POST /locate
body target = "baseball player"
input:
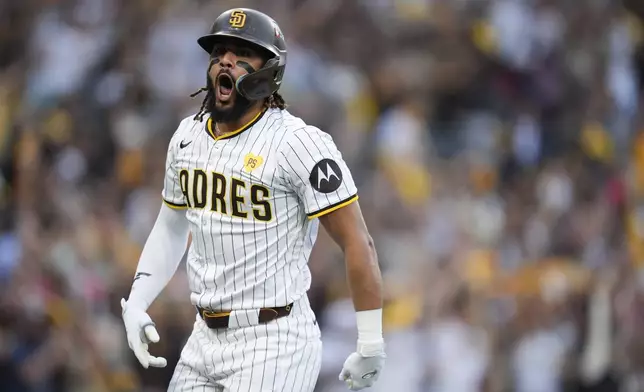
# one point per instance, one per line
(250, 182)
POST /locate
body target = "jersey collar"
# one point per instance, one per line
(211, 132)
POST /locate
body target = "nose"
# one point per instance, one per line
(228, 60)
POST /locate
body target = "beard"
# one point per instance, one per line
(231, 113)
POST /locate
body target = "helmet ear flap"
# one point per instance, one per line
(260, 84)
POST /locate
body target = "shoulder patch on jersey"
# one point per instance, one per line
(326, 176)
(252, 161)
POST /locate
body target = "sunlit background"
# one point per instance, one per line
(498, 147)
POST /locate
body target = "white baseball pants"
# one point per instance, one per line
(283, 355)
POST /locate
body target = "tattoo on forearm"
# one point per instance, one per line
(140, 274)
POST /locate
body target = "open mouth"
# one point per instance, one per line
(225, 86)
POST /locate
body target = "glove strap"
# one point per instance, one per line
(371, 349)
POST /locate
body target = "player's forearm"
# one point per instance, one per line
(363, 273)
(161, 256)
(365, 284)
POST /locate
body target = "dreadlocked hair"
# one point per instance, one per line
(202, 111)
(275, 101)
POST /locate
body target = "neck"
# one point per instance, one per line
(223, 128)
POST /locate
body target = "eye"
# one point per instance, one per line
(218, 50)
(244, 52)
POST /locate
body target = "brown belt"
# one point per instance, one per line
(220, 320)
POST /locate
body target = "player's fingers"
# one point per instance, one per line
(158, 362)
(122, 303)
(344, 374)
(357, 386)
(151, 333)
(141, 353)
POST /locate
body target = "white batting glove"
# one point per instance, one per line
(362, 368)
(140, 332)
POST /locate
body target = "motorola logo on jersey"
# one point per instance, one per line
(326, 176)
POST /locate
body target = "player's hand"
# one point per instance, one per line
(362, 369)
(140, 332)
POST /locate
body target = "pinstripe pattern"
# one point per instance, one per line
(171, 193)
(237, 263)
(192, 373)
(305, 148)
(284, 355)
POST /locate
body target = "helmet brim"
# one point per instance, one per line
(208, 42)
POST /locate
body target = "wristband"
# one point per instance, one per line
(370, 340)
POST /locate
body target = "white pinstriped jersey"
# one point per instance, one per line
(251, 198)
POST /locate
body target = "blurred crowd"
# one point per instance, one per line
(498, 147)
